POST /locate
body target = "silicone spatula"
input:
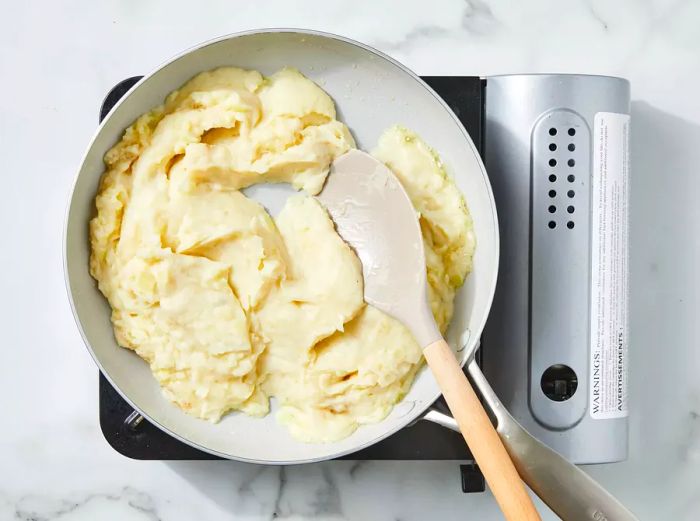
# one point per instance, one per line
(373, 213)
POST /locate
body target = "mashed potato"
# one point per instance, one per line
(447, 228)
(230, 307)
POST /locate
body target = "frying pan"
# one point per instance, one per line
(372, 92)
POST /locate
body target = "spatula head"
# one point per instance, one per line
(374, 215)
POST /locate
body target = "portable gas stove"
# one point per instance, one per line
(556, 148)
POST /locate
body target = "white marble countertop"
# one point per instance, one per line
(58, 60)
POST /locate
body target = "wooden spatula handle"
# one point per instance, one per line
(479, 433)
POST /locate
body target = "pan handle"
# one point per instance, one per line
(571, 493)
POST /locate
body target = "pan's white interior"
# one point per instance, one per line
(371, 93)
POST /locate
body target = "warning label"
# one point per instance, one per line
(609, 264)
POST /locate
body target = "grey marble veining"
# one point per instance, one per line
(58, 60)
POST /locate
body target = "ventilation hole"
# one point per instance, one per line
(552, 209)
(552, 131)
(572, 131)
(552, 178)
(552, 147)
(552, 225)
(571, 193)
(552, 162)
(570, 225)
(571, 147)
(570, 209)
(552, 193)
(571, 178)
(571, 162)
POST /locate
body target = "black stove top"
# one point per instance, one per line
(129, 434)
